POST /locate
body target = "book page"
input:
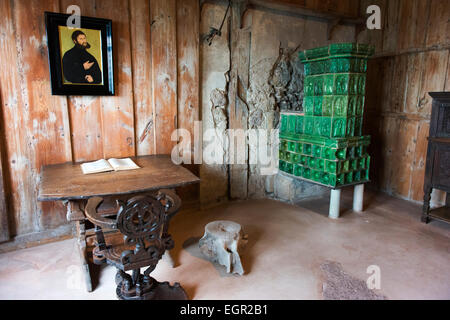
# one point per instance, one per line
(123, 164)
(96, 166)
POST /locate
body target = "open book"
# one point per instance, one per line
(112, 164)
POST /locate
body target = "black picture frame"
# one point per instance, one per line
(59, 84)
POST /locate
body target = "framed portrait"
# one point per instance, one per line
(80, 59)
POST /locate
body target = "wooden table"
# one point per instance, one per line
(66, 182)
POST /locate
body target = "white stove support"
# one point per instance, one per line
(358, 197)
(335, 203)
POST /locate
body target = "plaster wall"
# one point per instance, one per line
(275, 79)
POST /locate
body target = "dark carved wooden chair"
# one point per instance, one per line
(144, 221)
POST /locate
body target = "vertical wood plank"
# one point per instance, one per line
(447, 77)
(85, 111)
(329, 5)
(420, 155)
(403, 157)
(389, 136)
(164, 72)
(142, 80)
(388, 74)
(398, 84)
(432, 78)
(413, 19)
(4, 227)
(312, 4)
(15, 133)
(372, 115)
(438, 32)
(117, 111)
(390, 28)
(47, 134)
(188, 29)
(188, 67)
(415, 69)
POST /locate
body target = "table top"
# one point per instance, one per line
(67, 182)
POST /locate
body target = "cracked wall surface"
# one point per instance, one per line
(214, 65)
(275, 83)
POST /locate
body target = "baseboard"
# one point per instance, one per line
(29, 240)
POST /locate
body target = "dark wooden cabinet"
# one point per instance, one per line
(437, 172)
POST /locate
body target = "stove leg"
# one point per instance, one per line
(335, 202)
(358, 197)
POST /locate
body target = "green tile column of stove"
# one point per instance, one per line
(324, 144)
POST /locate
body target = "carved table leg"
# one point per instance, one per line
(426, 204)
(81, 235)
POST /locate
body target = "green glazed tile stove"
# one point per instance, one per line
(324, 144)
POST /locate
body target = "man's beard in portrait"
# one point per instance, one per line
(81, 46)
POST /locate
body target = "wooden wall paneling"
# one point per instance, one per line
(117, 111)
(438, 31)
(345, 7)
(388, 74)
(354, 8)
(413, 23)
(372, 113)
(447, 77)
(420, 155)
(432, 78)
(403, 156)
(46, 122)
(390, 26)
(188, 50)
(413, 76)
(188, 64)
(142, 80)
(398, 84)
(164, 72)
(85, 111)
(389, 137)
(374, 86)
(329, 5)
(14, 124)
(311, 4)
(4, 227)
